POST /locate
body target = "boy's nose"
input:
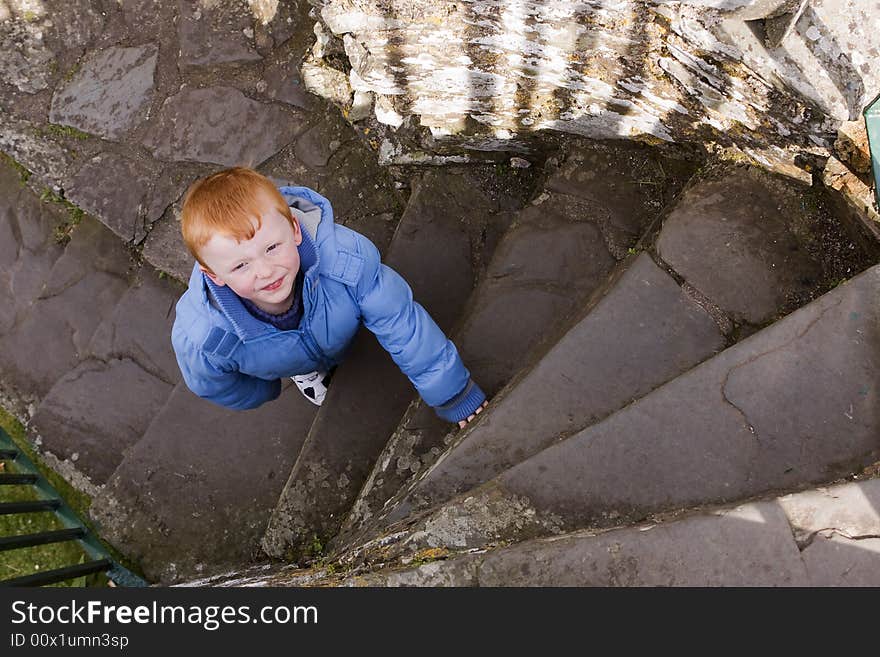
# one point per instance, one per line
(263, 269)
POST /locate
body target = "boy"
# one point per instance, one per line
(279, 290)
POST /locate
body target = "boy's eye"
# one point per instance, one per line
(272, 247)
(240, 265)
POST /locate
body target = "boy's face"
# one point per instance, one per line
(262, 269)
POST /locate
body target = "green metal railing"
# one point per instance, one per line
(872, 123)
(49, 501)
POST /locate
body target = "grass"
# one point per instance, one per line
(26, 561)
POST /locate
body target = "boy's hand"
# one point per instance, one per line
(463, 423)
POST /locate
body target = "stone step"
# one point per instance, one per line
(559, 251)
(58, 297)
(103, 405)
(594, 370)
(497, 333)
(435, 248)
(732, 428)
(823, 537)
(194, 494)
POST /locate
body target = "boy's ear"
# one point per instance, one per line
(216, 279)
(297, 230)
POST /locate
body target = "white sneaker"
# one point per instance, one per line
(313, 385)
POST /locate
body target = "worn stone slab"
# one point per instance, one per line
(316, 146)
(96, 412)
(46, 160)
(283, 82)
(164, 248)
(642, 333)
(220, 125)
(213, 33)
(133, 194)
(110, 94)
(27, 245)
(747, 546)
(358, 415)
(149, 16)
(851, 510)
(38, 40)
(26, 57)
(734, 427)
(139, 328)
(192, 497)
(731, 238)
(628, 184)
(497, 336)
(82, 288)
(841, 561)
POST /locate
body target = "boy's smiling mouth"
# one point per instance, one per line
(271, 287)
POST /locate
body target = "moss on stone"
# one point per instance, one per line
(57, 130)
(22, 170)
(75, 214)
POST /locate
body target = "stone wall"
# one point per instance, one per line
(775, 77)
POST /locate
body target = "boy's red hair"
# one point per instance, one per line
(228, 203)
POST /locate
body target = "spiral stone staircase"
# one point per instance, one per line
(682, 393)
(681, 348)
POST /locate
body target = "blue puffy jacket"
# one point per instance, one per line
(229, 357)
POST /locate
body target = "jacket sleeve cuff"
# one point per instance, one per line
(462, 405)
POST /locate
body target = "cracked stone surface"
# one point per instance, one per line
(165, 250)
(348, 439)
(220, 125)
(194, 494)
(213, 33)
(97, 411)
(82, 288)
(131, 196)
(139, 328)
(594, 370)
(27, 248)
(110, 94)
(730, 428)
(851, 510)
(732, 239)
